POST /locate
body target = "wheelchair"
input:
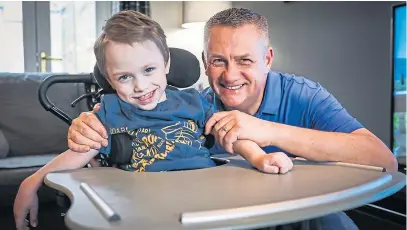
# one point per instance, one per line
(266, 204)
(184, 72)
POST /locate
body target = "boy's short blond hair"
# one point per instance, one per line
(129, 27)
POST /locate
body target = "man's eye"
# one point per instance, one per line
(218, 62)
(149, 70)
(246, 61)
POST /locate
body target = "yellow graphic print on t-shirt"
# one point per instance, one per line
(150, 145)
(183, 134)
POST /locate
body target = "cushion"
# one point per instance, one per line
(27, 127)
(4, 147)
(26, 161)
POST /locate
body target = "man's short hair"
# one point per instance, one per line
(236, 17)
(129, 27)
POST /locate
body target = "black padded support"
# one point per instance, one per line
(121, 149)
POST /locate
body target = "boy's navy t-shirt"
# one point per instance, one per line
(169, 137)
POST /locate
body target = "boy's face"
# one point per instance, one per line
(137, 72)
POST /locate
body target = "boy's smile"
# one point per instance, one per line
(137, 72)
(147, 97)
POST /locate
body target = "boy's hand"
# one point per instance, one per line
(26, 202)
(276, 163)
(86, 132)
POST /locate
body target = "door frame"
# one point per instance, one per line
(37, 30)
(36, 34)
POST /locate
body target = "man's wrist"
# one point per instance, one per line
(271, 133)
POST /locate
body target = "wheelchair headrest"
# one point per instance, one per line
(184, 71)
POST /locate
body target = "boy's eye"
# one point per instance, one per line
(149, 70)
(124, 77)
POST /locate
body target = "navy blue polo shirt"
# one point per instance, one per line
(296, 101)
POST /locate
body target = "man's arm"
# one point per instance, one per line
(359, 147)
(333, 135)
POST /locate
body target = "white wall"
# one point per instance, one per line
(169, 16)
(11, 37)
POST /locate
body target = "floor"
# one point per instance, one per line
(49, 218)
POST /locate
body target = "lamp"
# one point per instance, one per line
(196, 13)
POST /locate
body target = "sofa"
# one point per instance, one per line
(30, 136)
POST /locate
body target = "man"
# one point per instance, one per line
(280, 112)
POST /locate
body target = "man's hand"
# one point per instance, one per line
(26, 202)
(274, 163)
(227, 127)
(87, 132)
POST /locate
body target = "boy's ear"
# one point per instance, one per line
(167, 67)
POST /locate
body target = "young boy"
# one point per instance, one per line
(166, 127)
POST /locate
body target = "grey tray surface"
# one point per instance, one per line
(233, 195)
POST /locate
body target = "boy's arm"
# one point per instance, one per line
(65, 161)
(249, 150)
(277, 162)
(27, 201)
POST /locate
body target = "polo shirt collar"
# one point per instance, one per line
(272, 94)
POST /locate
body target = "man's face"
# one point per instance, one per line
(137, 72)
(237, 62)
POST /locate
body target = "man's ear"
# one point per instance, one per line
(269, 57)
(168, 65)
(204, 60)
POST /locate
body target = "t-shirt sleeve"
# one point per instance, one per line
(208, 110)
(327, 114)
(102, 115)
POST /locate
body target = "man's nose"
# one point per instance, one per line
(231, 73)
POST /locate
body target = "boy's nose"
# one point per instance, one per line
(141, 85)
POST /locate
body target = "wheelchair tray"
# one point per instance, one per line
(233, 195)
